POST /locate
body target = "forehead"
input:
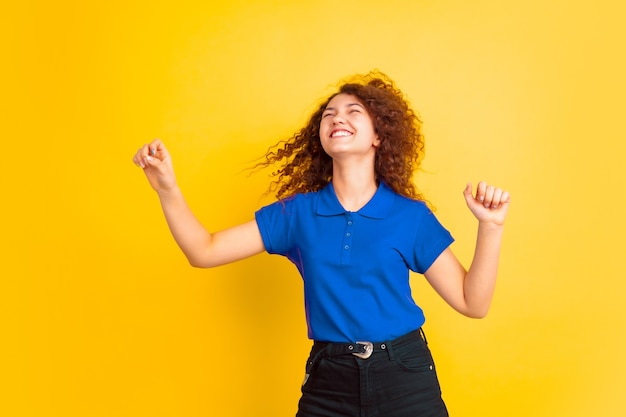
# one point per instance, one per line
(343, 99)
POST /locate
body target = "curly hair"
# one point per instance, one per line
(306, 167)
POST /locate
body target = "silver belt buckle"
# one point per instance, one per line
(369, 349)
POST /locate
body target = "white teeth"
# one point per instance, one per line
(340, 133)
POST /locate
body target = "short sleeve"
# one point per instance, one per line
(274, 223)
(430, 241)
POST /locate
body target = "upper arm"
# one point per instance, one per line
(233, 244)
(446, 275)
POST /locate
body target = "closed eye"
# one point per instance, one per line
(355, 107)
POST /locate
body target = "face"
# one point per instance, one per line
(347, 128)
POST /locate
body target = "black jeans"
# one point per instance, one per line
(397, 380)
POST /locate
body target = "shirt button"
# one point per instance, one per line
(350, 223)
(348, 234)
(346, 247)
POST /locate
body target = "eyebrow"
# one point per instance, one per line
(347, 105)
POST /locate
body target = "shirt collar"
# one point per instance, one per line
(377, 208)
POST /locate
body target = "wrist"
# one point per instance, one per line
(168, 192)
(490, 226)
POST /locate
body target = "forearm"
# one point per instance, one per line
(202, 249)
(190, 235)
(480, 280)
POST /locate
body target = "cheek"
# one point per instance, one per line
(324, 128)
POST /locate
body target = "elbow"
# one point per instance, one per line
(476, 313)
(195, 264)
(200, 263)
(202, 259)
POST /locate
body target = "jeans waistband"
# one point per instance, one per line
(365, 349)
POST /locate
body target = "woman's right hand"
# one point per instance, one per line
(157, 165)
(202, 248)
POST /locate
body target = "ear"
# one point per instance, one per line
(376, 142)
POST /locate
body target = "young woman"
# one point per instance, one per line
(350, 218)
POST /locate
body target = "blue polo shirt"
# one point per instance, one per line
(355, 265)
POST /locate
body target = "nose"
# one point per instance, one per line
(337, 118)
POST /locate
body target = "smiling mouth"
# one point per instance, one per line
(340, 133)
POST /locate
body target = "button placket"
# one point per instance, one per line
(346, 243)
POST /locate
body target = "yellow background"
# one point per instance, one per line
(100, 314)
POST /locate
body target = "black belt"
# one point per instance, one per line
(364, 349)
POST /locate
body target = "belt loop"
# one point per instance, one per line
(424, 336)
(314, 358)
(390, 350)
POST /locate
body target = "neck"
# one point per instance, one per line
(354, 187)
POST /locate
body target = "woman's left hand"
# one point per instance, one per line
(489, 204)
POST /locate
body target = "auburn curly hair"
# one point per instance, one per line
(306, 167)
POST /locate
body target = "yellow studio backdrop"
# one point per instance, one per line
(102, 316)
